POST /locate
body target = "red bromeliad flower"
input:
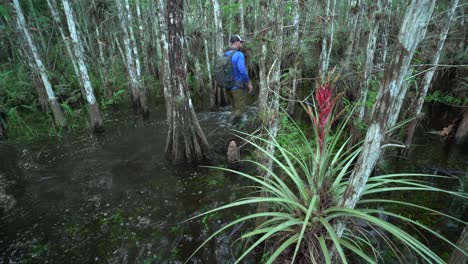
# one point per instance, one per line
(324, 110)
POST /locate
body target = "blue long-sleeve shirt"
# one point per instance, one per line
(240, 73)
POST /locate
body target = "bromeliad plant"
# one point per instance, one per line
(302, 193)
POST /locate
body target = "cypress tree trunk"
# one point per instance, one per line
(296, 70)
(357, 11)
(327, 38)
(263, 95)
(241, 18)
(422, 92)
(386, 107)
(369, 66)
(186, 141)
(59, 118)
(132, 60)
(275, 83)
(95, 115)
(166, 67)
(219, 47)
(103, 70)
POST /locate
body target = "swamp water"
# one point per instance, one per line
(112, 198)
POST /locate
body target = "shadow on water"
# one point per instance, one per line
(113, 198)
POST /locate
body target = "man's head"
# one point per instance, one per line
(236, 41)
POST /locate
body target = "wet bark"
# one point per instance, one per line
(386, 107)
(186, 141)
(427, 80)
(95, 115)
(59, 118)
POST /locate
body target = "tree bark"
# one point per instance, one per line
(356, 11)
(241, 18)
(219, 45)
(166, 67)
(59, 118)
(422, 92)
(132, 60)
(327, 38)
(95, 115)
(296, 70)
(369, 66)
(386, 107)
(186, 141)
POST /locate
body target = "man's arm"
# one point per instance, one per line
(241, 66)
(243, 71)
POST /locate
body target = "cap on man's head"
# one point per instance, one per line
(235, 38)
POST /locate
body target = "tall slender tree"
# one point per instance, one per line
(39, 66)
(422, 91)
(387, 107)
(328, 23)
(95, 114)
(186, 141)
(219, 45)
(132, 61)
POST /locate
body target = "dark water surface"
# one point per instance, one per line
(112, 198)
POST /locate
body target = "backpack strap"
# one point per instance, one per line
(232, 53)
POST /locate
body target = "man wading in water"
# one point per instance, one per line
(237, 93)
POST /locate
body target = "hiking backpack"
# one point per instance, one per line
(223, 71)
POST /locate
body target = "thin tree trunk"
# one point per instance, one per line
(142, 33)
(327, 38)
(421, 94)
(141, 94)
(132, 60)
(166, 67)
(103, 69)
(357, 11)
(296, 70)
(275, 82)
(368, 68)
(96, 119)
(241, 18)
(271, 119)
(186, 141)
(59, 118)
(263, 95)
(384, 33)
(219, 43)
(55, 15)
(386, 107)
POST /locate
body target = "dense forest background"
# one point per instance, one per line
(115, 50)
